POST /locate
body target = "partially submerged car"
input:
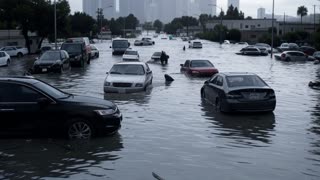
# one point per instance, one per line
(156, 56)
(94, 51)
(4, 59)
(30, 106)
(52, 61)
(195, 44)
(292, 56)
(254, 51)
(198, 68)
(128, 77)
(239, 92)
(131, 55)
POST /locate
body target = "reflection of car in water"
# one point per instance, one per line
(59, 155)
(198, 68)
(253, 128)
(119, 46)
(239, 92)
(52, 61)
(128, 77)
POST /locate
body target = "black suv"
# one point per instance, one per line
(77, 52)
(28, 105)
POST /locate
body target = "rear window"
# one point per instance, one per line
(72, 48)
(131, 52)
(242, 81)
(201, 64)
(157, 54)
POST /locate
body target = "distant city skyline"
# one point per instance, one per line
(249, 7)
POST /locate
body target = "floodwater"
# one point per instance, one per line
(168, 130)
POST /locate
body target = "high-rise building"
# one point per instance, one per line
(206, 7)
(108, 8)
(261, 13)
(90, 7)
(234, 3)
(182, 8)
(135, 7)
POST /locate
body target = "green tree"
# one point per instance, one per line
(131, 22)
(158, 25)
(234, 35)
(203, 19)
(302, 11)
(81, 24)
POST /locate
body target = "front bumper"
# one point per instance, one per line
(109, 124)
(45, 69)
(110, 89)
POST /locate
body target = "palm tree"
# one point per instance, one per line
(302, 11)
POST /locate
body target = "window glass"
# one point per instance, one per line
(2, 54)
(219, 81)
(214, 80)
(240, 81)
(63, 55)
(17, 93)
(187, 63)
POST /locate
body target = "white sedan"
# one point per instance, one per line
(128, 77)
(15, 51)
(130, 55)
(4, 59)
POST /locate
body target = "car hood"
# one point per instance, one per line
(125, 78)
(90, 101)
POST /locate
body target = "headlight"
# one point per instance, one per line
(107, 83)
(106, 112)
(139, 85)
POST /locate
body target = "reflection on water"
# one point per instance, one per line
(244, 129)
(37, 159)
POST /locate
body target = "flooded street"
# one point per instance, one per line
(170, 131)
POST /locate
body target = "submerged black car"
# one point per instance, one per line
(77, 52)
(52, 61)
(28, 105)
(239, 92)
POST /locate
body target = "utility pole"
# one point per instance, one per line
(284, 23)
(55, 25)
(314, 17)
(272, 34)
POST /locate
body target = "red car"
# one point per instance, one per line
(198, 68)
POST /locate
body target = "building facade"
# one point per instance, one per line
(206, 7)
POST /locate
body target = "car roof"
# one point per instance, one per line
(21, 79)
(226, 74)
(293, 52)
(131, 63)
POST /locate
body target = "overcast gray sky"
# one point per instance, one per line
(249, 7)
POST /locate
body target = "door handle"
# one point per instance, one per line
(6, 110)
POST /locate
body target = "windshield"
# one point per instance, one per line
(50, 56)
(71, 48)
(56, 93)
(241, 81)
(201, 64)
(131, 53)
(128, 69)
(120, 44)
(157, 54)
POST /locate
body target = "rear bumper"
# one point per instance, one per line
(232, 105)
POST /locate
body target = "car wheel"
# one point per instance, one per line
(19, 54)
(79, 129)
(218, 105)
(203, 95)
(8, 62)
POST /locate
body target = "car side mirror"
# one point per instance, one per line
(110, 46)
(107, 72)
(149, 72)
(206, 82)
(181, 65)
(43, 101)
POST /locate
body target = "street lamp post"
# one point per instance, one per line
(272, 33)
(55, 25)
(220, 29)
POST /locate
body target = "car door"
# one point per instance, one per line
(186, 65)
(2, 58)
(209, 88)
(217, 89)
(10, 51)
(65, 60)
(20, 108)
(148, 74)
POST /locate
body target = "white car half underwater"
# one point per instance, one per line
(128, 77)
(131, 55)
(4, 59)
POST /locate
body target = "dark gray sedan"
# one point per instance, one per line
(239, 92)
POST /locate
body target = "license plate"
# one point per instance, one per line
(44, 70)
(121, 90)
(255, 96)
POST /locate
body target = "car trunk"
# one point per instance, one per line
(251, 94)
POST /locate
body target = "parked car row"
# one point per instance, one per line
(17, 51)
